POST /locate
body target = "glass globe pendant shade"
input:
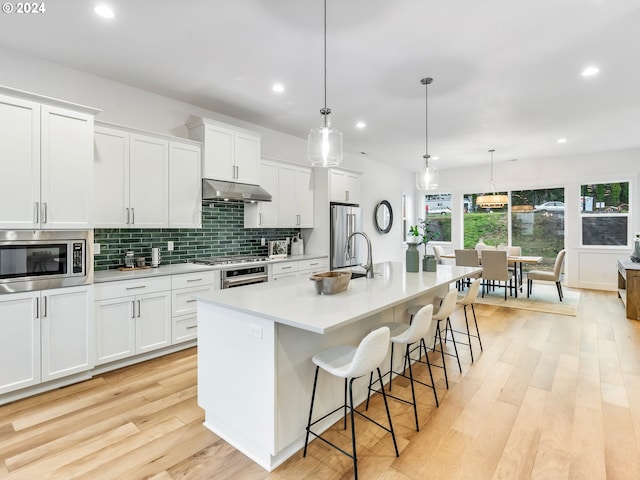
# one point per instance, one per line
(325, 144)
(427, 179)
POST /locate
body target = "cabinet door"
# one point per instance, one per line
(185, 183)
(352, 187)
(110, 178)
(264, 214)
(67, 168)
(218, 153)
(247, 158)
(182, 301)
(287, 208)
(153, 321)
(66, 332)
(304, 197)
(337, 186)
(115, 329)
(19, 341)
(19, 163)
(148, 182)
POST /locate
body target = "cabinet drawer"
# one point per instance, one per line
(284, 267)
(282, 276)
(182, 301)
(196, 279)
(312, 266)
(124, 288)
(184, 328)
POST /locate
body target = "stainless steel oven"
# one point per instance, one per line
(42, 259)
(238, 276)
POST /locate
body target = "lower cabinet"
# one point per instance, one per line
(184, 324)
(44, 336)
(298, 268)
(132, 317)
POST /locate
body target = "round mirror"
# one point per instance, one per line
(383, 216)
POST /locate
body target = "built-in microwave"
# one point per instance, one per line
(43, 259)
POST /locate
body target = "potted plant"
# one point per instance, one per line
(424, 232)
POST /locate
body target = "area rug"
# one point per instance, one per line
(544, 298)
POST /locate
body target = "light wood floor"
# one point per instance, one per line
(550, 397)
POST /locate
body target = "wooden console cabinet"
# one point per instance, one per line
(629, 287)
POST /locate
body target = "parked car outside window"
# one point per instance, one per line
(439, 211)
(549, 207)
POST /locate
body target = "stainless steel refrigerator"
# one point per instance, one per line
(345, 220)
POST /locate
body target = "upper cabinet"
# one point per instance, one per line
(344, 186)
(295, 196)
(46, 152)
(230, 153)
(264, 214)
(144, 180)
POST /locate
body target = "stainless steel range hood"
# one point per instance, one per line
(221, 190)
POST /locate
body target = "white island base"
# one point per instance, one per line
(255, 345)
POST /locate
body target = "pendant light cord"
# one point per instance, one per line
(426, 81)
(493, 187)
(325, 54)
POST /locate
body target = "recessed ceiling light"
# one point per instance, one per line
(361, 125)
(590, 71)
(562, 140)
(278, 87)
(104, 11)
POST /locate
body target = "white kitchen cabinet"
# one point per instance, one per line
(295, 196)
(185, 180)
(45, 152)
(144, 180)
(344, 186)
(264, 214)
(148, 182)
(298, 268)
(44, 336)
(183, 306)
(66, 331)
(132, 317)
(19, 341)
(230, 153)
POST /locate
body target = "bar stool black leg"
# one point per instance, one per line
(313, 397)
(353, 428)
(466, 321)
(386, 406)
(455, 347)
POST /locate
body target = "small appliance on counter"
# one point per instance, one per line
(129, 259)
(278, 249)
(156, 257)
(297, 245)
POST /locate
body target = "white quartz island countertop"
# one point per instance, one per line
(255, 345)
(294, 302)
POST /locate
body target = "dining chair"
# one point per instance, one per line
(467, 258)
(438, 251)
(548, 276)
(514, 252)
(495, 269)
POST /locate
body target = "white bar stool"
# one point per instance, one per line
(465, 301)
(421, 326)
(349, 362)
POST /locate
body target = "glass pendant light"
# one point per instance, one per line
(325, 143)
(427, 178)
(494, 200)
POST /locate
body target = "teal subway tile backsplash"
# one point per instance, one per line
(222, 233)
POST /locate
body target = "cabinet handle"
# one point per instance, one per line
(191, 301)
(346, 194)
(259, 219)
(128, 216)
(133, 215)
(135, 288)
(36, 213)
(312, 264)
(44, 307)
(37, 307)
(138, 308)
(192, 327)
(133, 309)
(237, 172)
(286, 268)
(44, 212)
(194, 280)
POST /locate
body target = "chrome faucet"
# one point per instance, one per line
(369, 266)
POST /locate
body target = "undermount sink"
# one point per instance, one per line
(357, 274)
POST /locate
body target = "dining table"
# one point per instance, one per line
(518, 260)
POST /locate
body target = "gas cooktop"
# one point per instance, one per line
(230, 260)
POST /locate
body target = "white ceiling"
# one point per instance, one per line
(506, 72)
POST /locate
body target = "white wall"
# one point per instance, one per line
(584, 267)
(132, 107)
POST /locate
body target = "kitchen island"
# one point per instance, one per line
(255, 345)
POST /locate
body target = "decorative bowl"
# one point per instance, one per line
(328, 283)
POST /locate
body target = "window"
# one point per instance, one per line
(605, 214)
(537, 223)
(437, 210)
(490, 224)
